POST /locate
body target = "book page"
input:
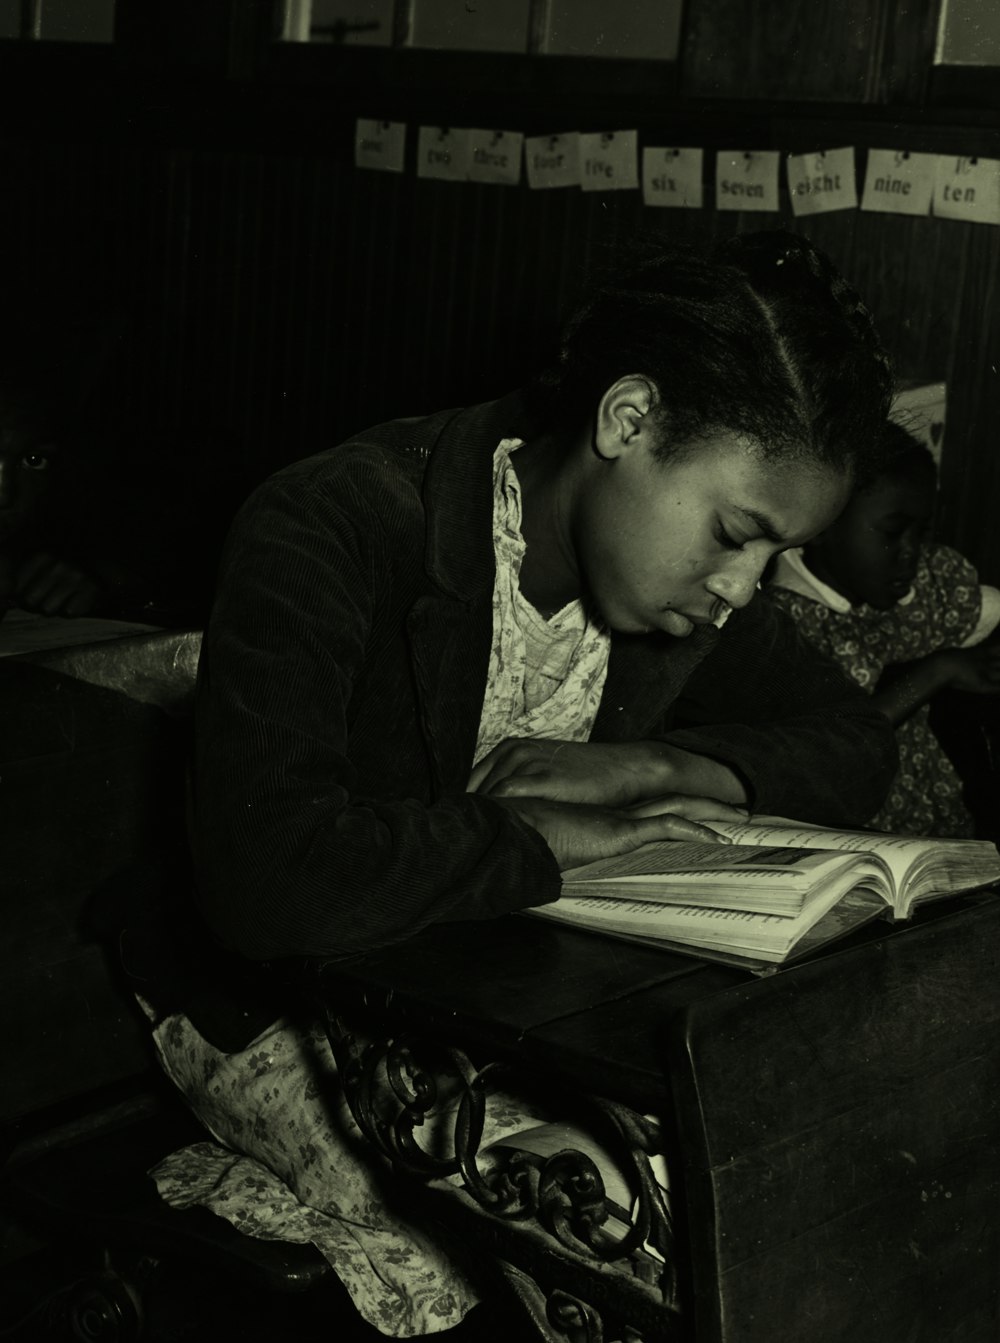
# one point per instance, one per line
(898, 852)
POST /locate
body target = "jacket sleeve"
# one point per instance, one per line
(292, 860)
(805, 739)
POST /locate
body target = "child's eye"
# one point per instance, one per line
(724, 538)
(35, 461)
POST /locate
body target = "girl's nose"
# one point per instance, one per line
(737, 582)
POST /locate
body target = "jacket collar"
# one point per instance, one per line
(458, 492)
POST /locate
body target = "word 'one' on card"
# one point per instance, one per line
(380, 145)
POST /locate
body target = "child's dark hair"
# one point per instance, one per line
(760, 336)
(901, 456)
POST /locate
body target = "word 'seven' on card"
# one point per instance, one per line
(746, 179)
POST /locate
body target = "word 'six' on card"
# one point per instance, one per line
(495, 156)
(967, 188)
(824, 181)
(672, 177)
(380, 145)
(443, 152)
(552, 160)
(898, 182)
(746, 179)
(609, 161)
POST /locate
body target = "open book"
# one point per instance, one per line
(781, 889)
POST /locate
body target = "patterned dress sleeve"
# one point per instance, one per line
(949, 598)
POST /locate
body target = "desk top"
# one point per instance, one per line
(580, 1007)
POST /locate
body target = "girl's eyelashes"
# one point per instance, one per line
(726, 539)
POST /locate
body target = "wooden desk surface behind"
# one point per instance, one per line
(93, 744)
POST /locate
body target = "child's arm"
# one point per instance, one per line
(905, 686)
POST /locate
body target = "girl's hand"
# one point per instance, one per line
(603, 774)
(54, 587)
(582, 834)
(596, 773)
(976, 670)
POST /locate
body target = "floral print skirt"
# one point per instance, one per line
(291, 1165)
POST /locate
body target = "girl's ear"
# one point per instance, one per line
(622, 412)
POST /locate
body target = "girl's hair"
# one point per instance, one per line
(760, 336)
(902, 456)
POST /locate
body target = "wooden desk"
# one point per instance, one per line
(835, 1128)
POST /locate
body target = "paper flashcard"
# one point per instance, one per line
(746, 179)
(672, 177)
(495, 156)
(380, 144)
(967, 188)
(824, 181)
(443, 152)
(609, 161)
(899, 182)
(552, 160)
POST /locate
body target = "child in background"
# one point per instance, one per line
(906, 618)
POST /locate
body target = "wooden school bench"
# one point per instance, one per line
(832, 1131)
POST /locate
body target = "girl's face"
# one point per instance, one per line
(671, 545)
(870, 553)
(24, 480)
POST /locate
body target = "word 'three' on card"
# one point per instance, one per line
(495, 156)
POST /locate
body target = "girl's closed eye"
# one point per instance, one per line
(726, 538)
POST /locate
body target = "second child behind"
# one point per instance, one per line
(906, 618)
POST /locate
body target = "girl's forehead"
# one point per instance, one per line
(899, 494)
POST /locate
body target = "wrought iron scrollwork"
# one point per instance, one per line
(395, 1086)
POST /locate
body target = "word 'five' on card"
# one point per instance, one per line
(609, 161)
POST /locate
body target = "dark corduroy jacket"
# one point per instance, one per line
(341, 683)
